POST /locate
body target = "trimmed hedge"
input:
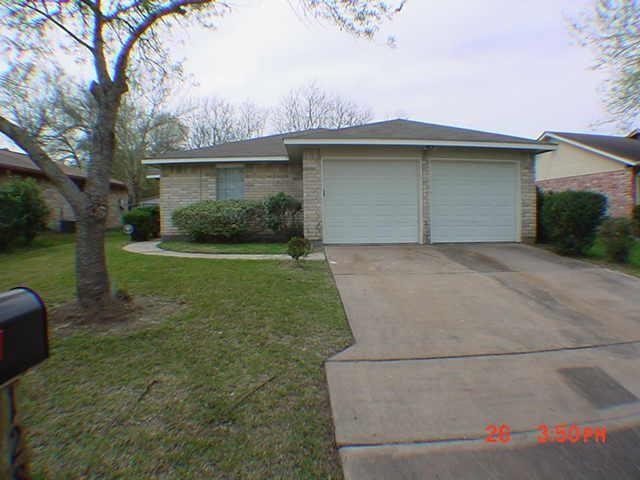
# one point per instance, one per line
(145, 222)
(616, 235)
(23, 211)
(570, 219)
(212, 220)
(280, 211)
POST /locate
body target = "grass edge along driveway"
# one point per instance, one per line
(237, 325)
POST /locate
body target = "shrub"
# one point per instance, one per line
(279, 212)
(616, 235)
(298, 247)
(212, 220)
(636, 220)
(143, 220)
(23, 211)
(570, 219)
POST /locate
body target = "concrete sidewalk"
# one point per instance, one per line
(451, 339)
(151, 248)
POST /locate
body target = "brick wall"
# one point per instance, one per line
(182, 185)
(616, 185)
(528, 200)
(312, 194)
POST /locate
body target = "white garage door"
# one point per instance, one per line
(474, 201)
(370, 201)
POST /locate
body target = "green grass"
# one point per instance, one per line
(237, 248)
(597, 254)
(242, 323)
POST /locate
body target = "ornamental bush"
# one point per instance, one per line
(616, 235)
(212, 220)
(570, 219)
(23, 211)
(145, 222)
(298, 247)
(636, 220)
(280, 211)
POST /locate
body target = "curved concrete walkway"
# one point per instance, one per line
(152, 248)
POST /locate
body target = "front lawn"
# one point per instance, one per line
(597, 254)
(237, 248)
(234, 375)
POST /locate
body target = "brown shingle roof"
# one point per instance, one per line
(273, 145)
(19, 162)
(401, 129)
(624, 147)
(269, 146)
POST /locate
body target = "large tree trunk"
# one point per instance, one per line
(93, 288)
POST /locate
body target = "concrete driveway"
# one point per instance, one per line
(451, 339)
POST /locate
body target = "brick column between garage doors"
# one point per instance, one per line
(312, 194)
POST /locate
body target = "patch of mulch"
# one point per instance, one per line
(123, 316)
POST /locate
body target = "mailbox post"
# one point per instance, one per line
(24, 343)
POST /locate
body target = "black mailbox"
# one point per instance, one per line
(23, 332)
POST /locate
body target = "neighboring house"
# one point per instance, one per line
(19, 164)
(606, 164)
(397, 181)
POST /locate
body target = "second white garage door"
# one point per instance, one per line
(370, 201)
(474, 201)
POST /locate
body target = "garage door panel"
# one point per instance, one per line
(370, 201)
(473, 201)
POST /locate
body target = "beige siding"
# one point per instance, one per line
(570, 161)
(182, 185)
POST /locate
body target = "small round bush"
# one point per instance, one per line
(298, 247)
(144, 221)
(570, 219)
(616, 235)
(212, 220)
(23, 211)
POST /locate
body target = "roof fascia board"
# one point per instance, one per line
(165, 161)
(418, 143)
(588, 148)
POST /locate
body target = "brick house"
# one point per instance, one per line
(397, 181)
(607, 164)
(19, 164)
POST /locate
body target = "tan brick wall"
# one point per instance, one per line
(312, 194)
(260, 181)
(61, 210)
(182, 185)
(617, 186)
(528, 199)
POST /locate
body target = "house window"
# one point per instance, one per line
(230, 183)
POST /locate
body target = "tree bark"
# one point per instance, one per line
(92, 284)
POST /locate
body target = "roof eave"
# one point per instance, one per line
(537, 147)
(575, 143)
(254, 159)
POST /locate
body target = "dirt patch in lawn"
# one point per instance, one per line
(124, 316)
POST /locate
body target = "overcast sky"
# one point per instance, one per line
(498, 65)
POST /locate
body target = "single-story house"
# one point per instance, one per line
(607, 164)
(61, 216)
(397, 181)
